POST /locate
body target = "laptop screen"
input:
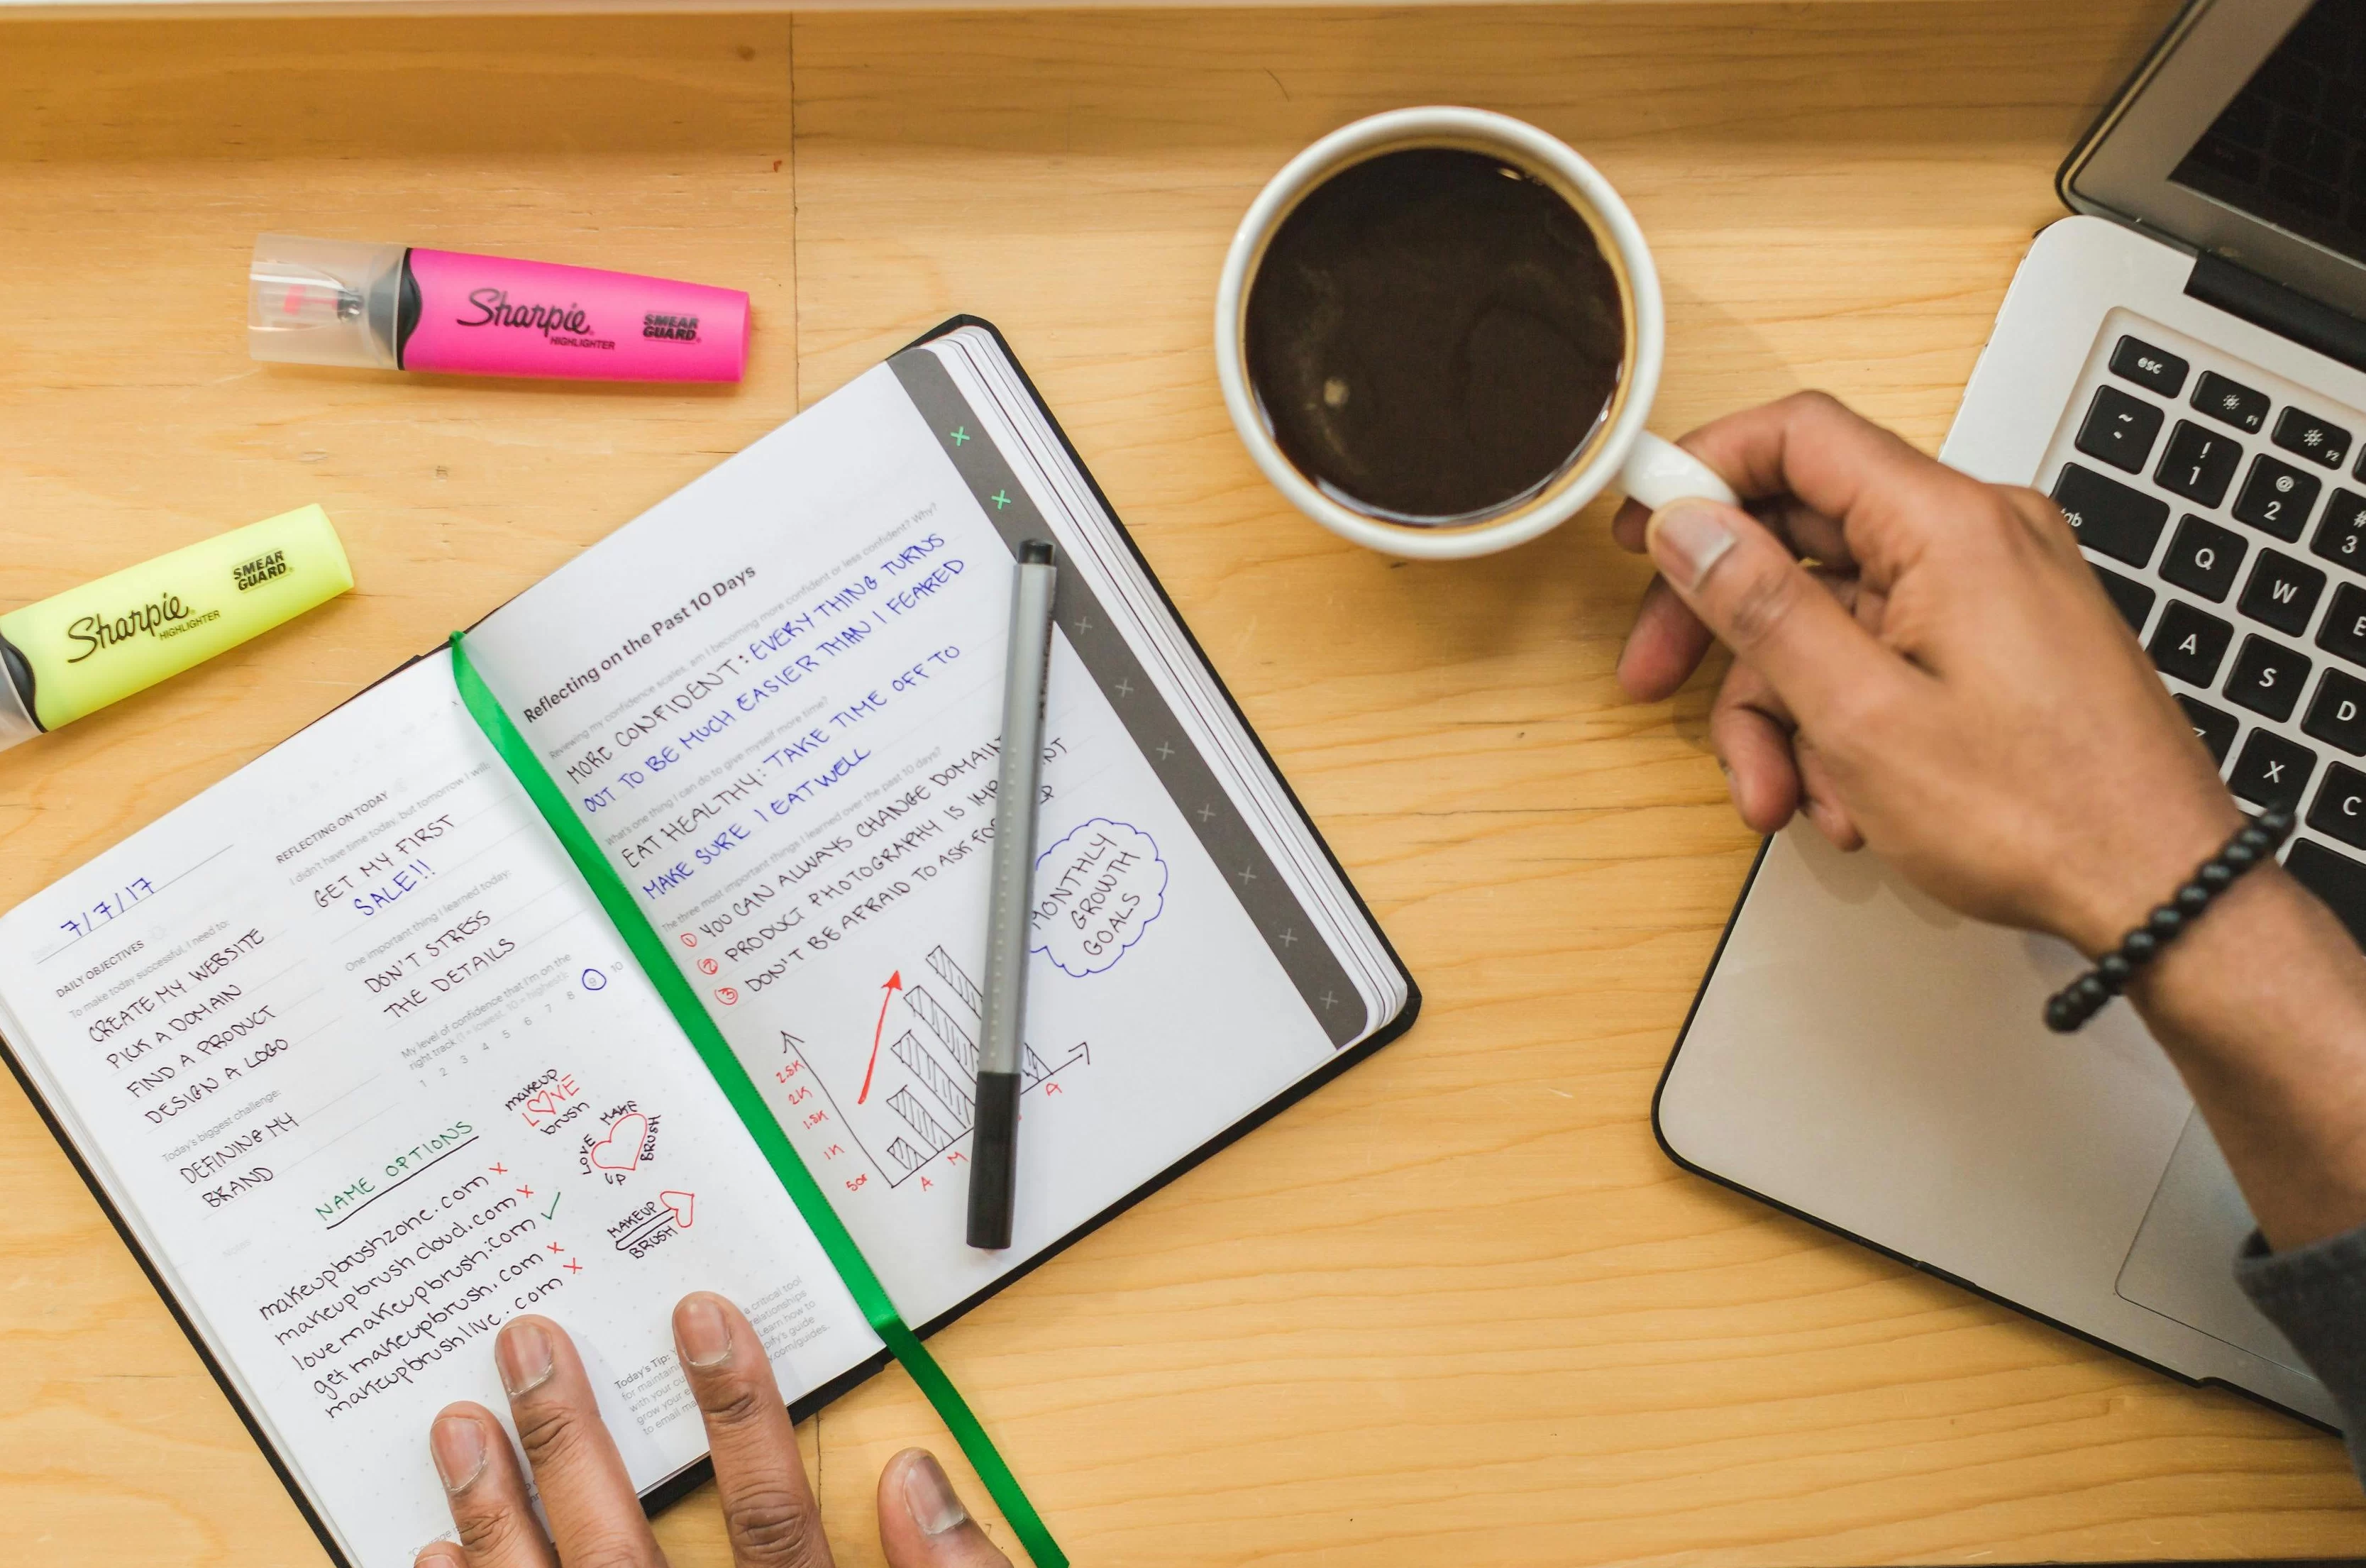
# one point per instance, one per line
(2291, 148)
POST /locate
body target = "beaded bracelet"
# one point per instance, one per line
(2067, 1009)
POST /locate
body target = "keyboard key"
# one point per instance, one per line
(2344, 632)
(2189, 644)
(2341, 537)
(2215, 728)
(2108, 516)
(2200, 463)
(2337, 712)
(2341, 808)
(2138, 361)
(2277, 497)
(2282, 593)
(2270, 770)
(2230, 402)
(2268, 677)
(2319, 440)
(2334, 877)
(2203, 558)
(2131, 598)
(2120, 429)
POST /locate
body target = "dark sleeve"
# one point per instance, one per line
(2317, 1294)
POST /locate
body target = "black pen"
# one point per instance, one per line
(994, 1153)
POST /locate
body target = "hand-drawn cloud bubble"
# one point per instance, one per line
(1096, 892)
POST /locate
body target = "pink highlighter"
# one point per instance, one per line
(403, 307)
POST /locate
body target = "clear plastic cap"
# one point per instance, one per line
(16, 721)
(324, 301)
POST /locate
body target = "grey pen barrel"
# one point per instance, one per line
(993, 1156)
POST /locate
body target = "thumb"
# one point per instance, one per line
(921, 1521)
(1748, 589)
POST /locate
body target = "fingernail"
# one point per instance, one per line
(929, 1497)
(1686, 538)
(523, 1352)
(701, 1332)
(458, 1445)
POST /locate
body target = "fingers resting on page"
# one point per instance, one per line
(594, 1514)
(1923, 662)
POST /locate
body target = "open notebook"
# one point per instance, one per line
(361, 1069)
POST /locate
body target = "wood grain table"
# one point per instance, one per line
(1456, 1308)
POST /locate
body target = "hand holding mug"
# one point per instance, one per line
(1949, 686)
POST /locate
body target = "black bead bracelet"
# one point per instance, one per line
(2067, 1009)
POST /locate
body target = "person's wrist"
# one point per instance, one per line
(2262, 900)
(2132, 873)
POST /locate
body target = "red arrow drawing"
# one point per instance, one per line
(894, 984)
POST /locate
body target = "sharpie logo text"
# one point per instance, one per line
(162, 617)
(494, 310)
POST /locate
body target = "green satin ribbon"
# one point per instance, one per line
(657, 964)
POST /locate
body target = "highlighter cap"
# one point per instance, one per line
(324, 302)
(16, 721)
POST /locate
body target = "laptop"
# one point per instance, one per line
(2182, 365)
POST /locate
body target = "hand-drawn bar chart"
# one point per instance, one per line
(917, 1101)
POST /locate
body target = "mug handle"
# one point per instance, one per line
(1657, 472)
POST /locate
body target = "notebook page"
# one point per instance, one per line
(775, 699)
(368, 1073)
(992, 385)
(1125, 657)
(1140, 659)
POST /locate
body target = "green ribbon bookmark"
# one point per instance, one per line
(649, 950)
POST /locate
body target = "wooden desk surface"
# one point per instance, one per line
(1455, 1309)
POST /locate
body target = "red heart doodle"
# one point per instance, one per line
(680, 1203)
(621, 1149)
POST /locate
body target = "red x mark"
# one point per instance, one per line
(525, 1191)
(501, 1170)
(554, 1247)
(572, 1266)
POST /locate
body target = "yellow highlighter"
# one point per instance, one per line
(78, 651)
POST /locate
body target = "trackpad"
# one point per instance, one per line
(2183, 1265)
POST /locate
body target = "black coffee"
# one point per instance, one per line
(1435, 336)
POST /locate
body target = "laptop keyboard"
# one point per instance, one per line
(2223, 510)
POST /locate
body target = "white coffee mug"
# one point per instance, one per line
(1651, 471)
